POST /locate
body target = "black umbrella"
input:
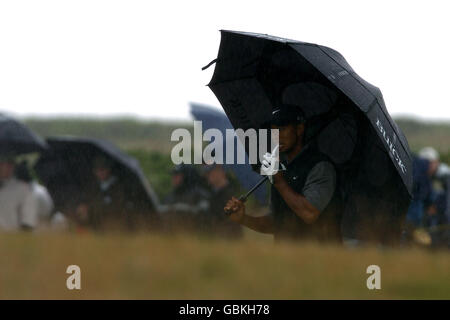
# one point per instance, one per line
(16, 138)
(66, 169)
(345, 114)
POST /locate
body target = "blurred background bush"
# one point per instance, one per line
(149, 141)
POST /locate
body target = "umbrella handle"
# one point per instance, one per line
(244, 197)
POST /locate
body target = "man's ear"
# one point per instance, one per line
(300, 129)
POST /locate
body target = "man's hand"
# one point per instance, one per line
(82, 213)
(270, 164)
(236, 209)
(432, 210)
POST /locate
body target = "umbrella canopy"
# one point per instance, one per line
(214, 119)
(16, 138)
(346, 115)
(66, 169)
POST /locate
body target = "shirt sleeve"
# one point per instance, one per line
(320, 185)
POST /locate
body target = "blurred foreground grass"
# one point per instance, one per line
(33, 266)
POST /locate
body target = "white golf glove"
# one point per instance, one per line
(270, 164)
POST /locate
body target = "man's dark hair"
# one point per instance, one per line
(101, 161)
(23, 173)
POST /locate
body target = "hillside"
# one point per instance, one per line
(131, 133)
(421, 134)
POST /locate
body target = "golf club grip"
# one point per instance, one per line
(241, 198)
(244, 197)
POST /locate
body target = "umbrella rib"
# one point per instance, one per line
(376, 98)
(392, 128)
(347, 71)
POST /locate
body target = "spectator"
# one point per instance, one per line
(19, 206)
(424, 210)
(432, 156)
(431, 216)
(104, 201)
(440, 222)
(188, 199)
(188, 186)
(215, 221)
(443, 202)
(422, 190)
(44, 200)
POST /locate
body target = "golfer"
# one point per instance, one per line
(304, 202)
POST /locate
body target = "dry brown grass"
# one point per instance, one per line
(33, 266)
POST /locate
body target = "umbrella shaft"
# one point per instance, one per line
(244, 197)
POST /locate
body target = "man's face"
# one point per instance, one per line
(215, 176)
(102, 173)
(289, 135)
(6, 170)
(434, 164)
(177, 179)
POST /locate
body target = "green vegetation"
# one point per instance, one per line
(421, 134)
(127, 133)
(157, 167)
(149, 141)
(131, 133)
